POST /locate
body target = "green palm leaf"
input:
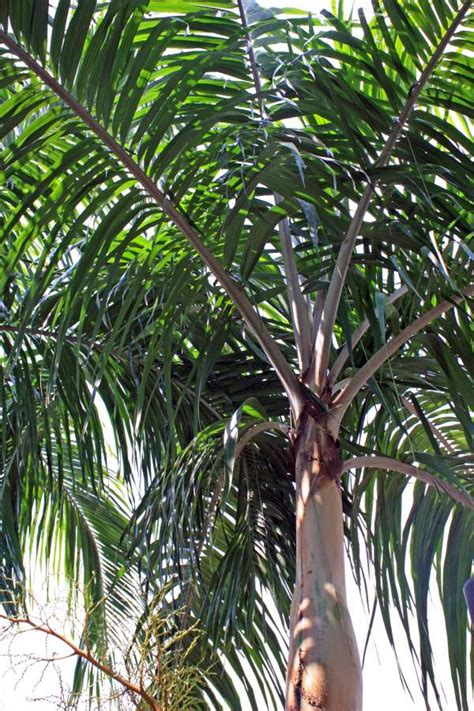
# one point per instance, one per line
(145, 182)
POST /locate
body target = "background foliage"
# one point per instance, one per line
(127, 376)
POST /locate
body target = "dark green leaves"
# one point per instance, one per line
(124, 365)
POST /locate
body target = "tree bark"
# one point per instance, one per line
(324, 670)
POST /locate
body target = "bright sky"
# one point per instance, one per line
(34, 689)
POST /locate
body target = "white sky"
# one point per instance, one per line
(29, 690)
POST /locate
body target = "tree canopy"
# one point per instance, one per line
(176, 188)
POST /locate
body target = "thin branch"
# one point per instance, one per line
(87, 656)
(253, 60)
(298, 307)
(396, 465)
(359, 332)
(54, 658)
(328, 319)
(318, 311)
(344, 399)
(230, 286)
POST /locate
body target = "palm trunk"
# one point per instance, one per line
(324, 670)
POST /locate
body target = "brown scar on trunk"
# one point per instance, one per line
(301, 696)
(321, 452)
(325, 444)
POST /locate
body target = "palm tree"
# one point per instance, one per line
(235, 249)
